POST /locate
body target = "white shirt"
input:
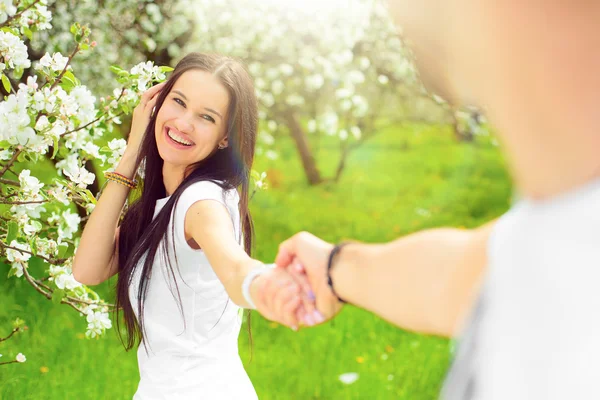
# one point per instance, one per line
(535, 332)
(192, 349)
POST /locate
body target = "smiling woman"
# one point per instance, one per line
(190, 125)
(182, 250)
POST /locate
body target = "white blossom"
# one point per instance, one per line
(30, 185)
(82, 97)
(69, 224)
(60, 193)
(343, 134)
(145, 73)
(13, 51)
(355, 130)
(32, 227)
(31, 84)
(79, 175)
(118, 147)
(15, 120)
(98, 322)
(66, 281)
(348, 378)
(5, 155)
(20, 358)
(56, 62)
(7, 9)
(18, 259)
(271, 155)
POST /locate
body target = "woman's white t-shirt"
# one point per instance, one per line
(190, 347)
(535, 331)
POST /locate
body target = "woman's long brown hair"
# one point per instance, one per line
(140, 234)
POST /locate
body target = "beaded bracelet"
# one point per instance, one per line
(123, 180)
(332, 256)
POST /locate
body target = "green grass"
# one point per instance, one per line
(405, 179)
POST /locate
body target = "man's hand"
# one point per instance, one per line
(306, 254)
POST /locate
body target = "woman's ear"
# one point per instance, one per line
(223, 143)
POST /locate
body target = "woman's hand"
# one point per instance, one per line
(141, 117)
(279, 296)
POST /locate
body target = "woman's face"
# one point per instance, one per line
(192, 120)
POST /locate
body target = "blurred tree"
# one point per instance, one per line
(329, 72)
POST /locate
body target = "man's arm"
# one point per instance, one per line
(424, 282)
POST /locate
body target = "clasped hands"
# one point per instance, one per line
(296, 293)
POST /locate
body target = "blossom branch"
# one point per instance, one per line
(4, 201)
(10, 182)
(9, 336)
(62, 73)
(17, 15)
(48, 260)
(11, 161)
(91, 123)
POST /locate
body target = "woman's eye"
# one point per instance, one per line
(208, 118)
(179, 101)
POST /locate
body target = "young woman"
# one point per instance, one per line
(182, 248)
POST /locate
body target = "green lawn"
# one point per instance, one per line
(405, 179)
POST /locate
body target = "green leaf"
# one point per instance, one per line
(57, 296)
(84, 46)
(68, 82)
(28, 33)
(69, 75)
(32, 244)
(6, 83)
(13, 229)
(74, 29)
(116, 70)
(63, 250)
(90, 196)
(18, 323)
(165, 69)
(18, 73)
(36, 224)
(55, 147)
(10, 30)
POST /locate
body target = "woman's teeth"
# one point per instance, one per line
(178, 139)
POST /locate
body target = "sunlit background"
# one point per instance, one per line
(350, 146)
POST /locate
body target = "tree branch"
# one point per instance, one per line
(48, 260)
(11, 161)
(3, 201)
(17, 15)
(10, 182)
(15, 330)
(62, 73)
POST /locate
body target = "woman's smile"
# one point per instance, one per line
(177, 139)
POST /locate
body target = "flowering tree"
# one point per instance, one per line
(48, 116)
(53, 116)
(323, 74)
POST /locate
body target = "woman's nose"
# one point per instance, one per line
(183, 124)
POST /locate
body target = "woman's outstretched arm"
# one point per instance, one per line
(276, 293)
